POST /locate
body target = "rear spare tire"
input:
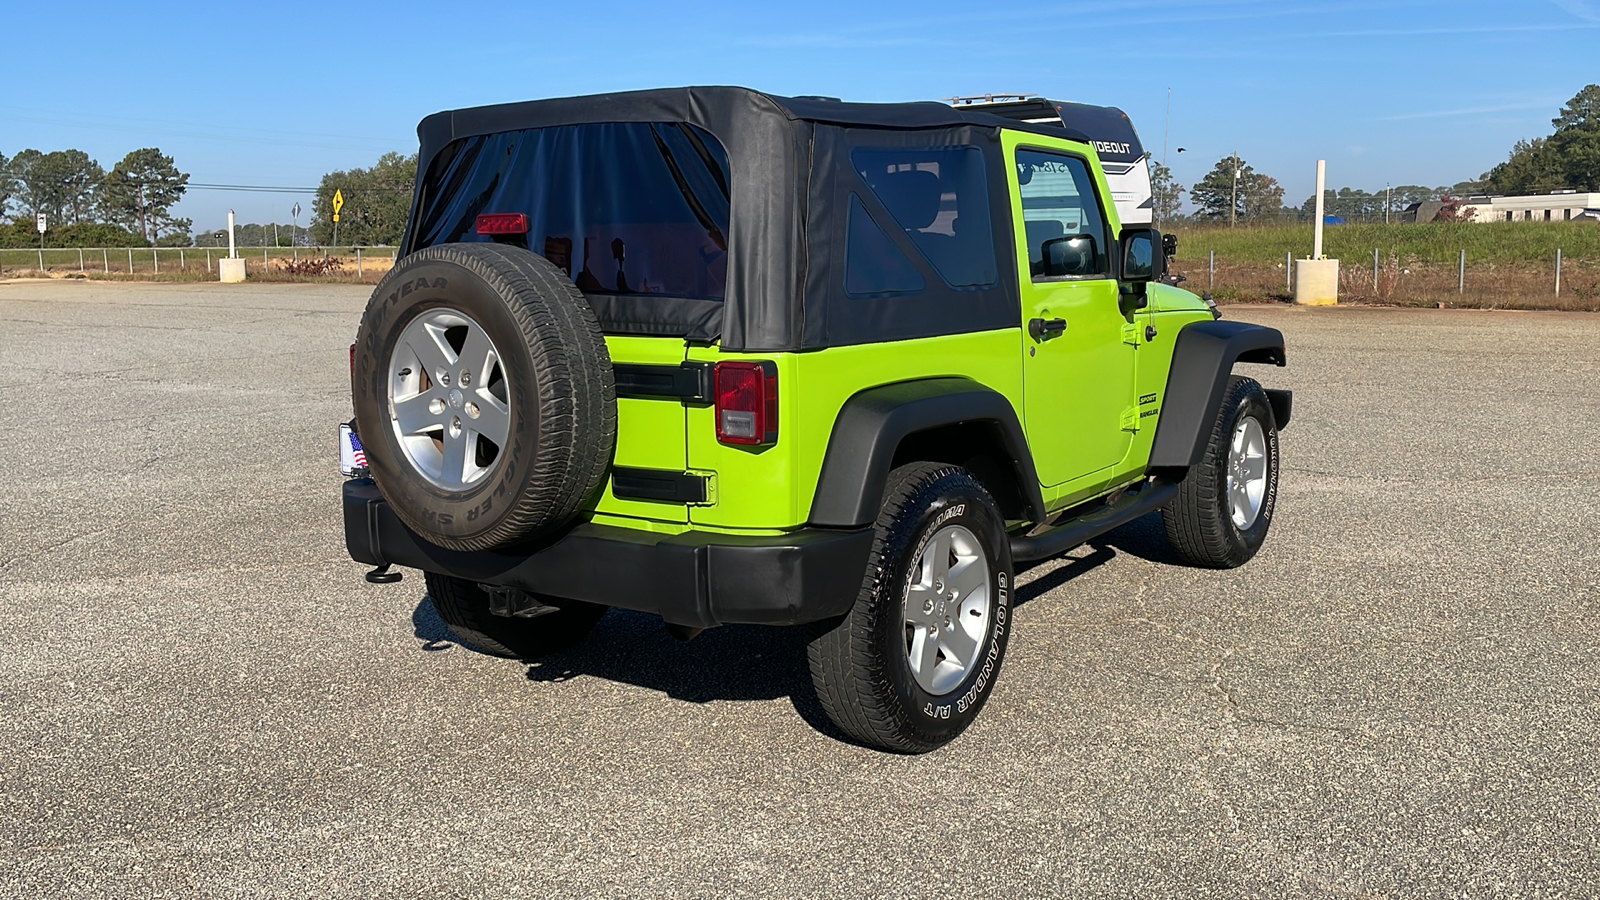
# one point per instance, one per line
(483, 394)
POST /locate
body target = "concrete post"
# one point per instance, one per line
(1316, 279)
(1558, 271)
(1322, 187)
(231, 270)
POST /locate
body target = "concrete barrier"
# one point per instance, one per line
(232, 270)
(1316, 282)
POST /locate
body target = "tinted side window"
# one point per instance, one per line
(1059, 204)
(873, 265)
(940, 197)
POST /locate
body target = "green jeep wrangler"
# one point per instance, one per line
(728, 357)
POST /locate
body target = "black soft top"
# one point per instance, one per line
(691, 103)
(790, 186)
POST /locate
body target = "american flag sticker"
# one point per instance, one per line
(352, 458)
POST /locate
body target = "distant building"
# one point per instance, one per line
(1426, 211)
(1560, 206)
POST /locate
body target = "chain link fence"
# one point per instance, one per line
(355, 263)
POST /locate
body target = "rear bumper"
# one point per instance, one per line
(698, 579)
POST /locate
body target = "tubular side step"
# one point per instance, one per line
(1064, 537)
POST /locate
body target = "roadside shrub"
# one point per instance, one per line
(311, 265)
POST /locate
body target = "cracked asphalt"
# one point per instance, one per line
(201, 697)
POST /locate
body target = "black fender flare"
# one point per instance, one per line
(1202, 360)
(873, 422)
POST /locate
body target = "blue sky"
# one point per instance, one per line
(279, 93)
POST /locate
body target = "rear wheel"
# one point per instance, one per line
(912, 663)
(464, 606)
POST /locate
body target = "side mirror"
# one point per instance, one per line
(1073, 255)
(1140, 262)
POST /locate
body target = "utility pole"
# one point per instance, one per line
(1166, 134)
(1233, 207)
(1388, 202)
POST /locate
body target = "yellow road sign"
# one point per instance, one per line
(338, 204)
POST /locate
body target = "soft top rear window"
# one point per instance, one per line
(635, 209)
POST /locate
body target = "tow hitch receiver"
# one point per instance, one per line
(515, 602)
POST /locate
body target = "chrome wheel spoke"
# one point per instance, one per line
(455, 455)
(430, 348)
(969, 575)
(1255, 467)
(412, 415)
(493, 420)
(924, 654)
(961, 646)
(477, 355)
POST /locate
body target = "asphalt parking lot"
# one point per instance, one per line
(201, 696)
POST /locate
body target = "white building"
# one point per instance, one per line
(1560, 206)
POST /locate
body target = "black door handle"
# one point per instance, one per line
(1045, 329)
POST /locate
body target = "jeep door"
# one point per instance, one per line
(1078, 373)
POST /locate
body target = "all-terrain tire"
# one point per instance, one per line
(1200, 521)
(562, 394)
(464, 606)
(859, 663)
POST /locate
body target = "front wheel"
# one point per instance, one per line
(1224, 507)
(912, 663)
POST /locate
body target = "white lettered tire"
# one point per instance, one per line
(914, 661)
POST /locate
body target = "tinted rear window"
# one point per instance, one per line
(622, 208)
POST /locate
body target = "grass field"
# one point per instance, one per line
(1509, 265)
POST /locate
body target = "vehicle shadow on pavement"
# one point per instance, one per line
(748, 662)
(732, 662)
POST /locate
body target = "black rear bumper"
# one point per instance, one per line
(698, 579)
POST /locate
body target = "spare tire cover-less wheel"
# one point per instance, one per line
(484, 395)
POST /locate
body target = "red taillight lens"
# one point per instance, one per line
(502, 223)
(747, 402)
(352, 362)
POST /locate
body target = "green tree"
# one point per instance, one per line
(1575, 146)
(376, 202)
(8, 184)
(1166, 193)
(1259, 196)
(1534, 168)
(62, 184)
(140, 192)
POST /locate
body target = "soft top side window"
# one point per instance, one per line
(1064, 226)
(940, 197)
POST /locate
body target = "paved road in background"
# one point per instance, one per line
(199, 695)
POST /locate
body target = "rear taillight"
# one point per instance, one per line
(352, 362)
(502, 223)
(747, 402)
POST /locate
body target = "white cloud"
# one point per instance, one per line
(1586, 10)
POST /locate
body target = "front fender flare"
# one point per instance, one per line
(1202, 360)
(871, 425)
